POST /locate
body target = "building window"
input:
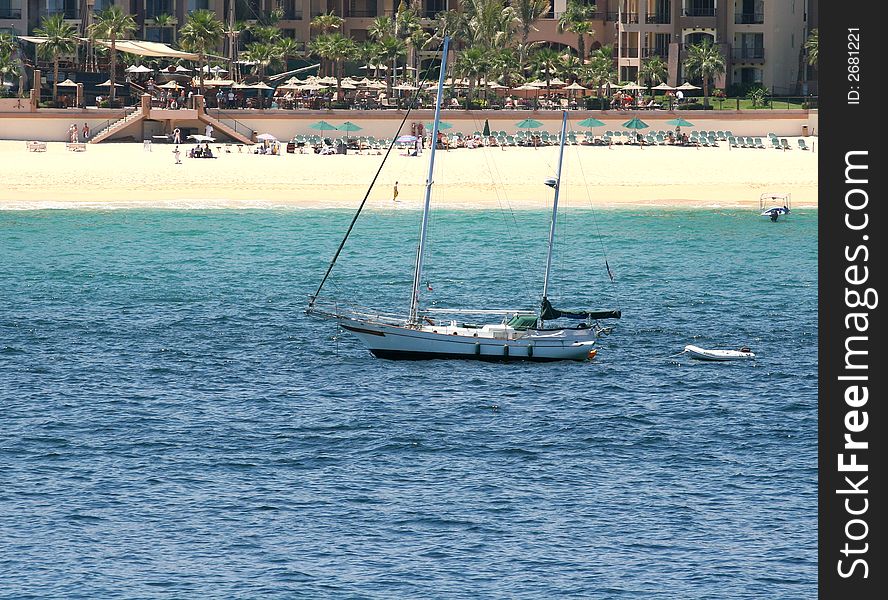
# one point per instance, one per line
(10, 9)
(154, 8)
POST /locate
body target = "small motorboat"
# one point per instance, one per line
(774, 205)
(743, 353)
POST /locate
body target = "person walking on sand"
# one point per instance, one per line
(395, 193)
(86, 132)
(177, 155)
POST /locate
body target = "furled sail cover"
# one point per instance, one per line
(549, 313)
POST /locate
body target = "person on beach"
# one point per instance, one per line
(208, 130)
(177, 136)
(75, 138)
(395, 193)
(177, 155)
(86, 131)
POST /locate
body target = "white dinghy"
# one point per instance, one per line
(718, 355)
(774, 206)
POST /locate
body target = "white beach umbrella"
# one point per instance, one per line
(406, 87)
(67, 83)
(107, 84)
(575, 86)
(687, 86)
(266, 137)
(663, 86)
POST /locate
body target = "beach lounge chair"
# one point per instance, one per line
(758, 143)
(721, 135)
(784, 144)
(733, 142)
(34, 146)
(775, 143)
(803, 145)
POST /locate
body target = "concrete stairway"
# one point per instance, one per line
(132, 118)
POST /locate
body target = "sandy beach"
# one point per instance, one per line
(126, 175)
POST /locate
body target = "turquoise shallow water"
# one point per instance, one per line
(172, 424)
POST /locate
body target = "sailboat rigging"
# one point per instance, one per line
(520, 335)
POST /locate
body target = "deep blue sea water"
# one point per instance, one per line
(172, 425)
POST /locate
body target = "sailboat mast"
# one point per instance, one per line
(555, 206)
(420, 251)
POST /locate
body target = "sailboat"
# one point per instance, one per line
(518, 335)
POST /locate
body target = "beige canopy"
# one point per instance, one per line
(140, 47)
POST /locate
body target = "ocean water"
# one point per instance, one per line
(172, 424)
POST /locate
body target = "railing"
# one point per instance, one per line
(10, 13)
(232, 124)
(362, 13)
(658, 19)
(749, 18)
(627, 17)
(748, 53)
(661, 52)
(707, 11)
(70, 13)
(627, 52)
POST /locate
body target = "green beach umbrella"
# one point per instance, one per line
(679, 122)
(441, 125)
(590, 122)
(528, 124)
(347, 127)
(635, 123)
(322, 126)
(486, 131)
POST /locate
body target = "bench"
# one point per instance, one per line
(76, 146)
(36, 146)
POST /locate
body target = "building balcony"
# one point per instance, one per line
(658, 19)
(698, 11)
(748, 54)
(650, 52)
(629, 18)
(749, 18)
(628, 52)
(361, 13)
(72, 13)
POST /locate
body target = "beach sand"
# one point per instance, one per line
(125, 175)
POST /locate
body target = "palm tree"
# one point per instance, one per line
(263, 54)
(335, 48)
(546, 64)
(390, 50)
(471, 63)
(600, 70)
(10, 58)
(706, 61)
(201, 31)
(653, 71)
(528, 12)
(61, 39)
(575, 19)
(811, 46)
(327, 22)
(113, 23)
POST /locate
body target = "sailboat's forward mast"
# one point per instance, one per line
(420, 251)
(557, 187)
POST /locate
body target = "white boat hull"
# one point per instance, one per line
(717, 355)
(432, 342)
